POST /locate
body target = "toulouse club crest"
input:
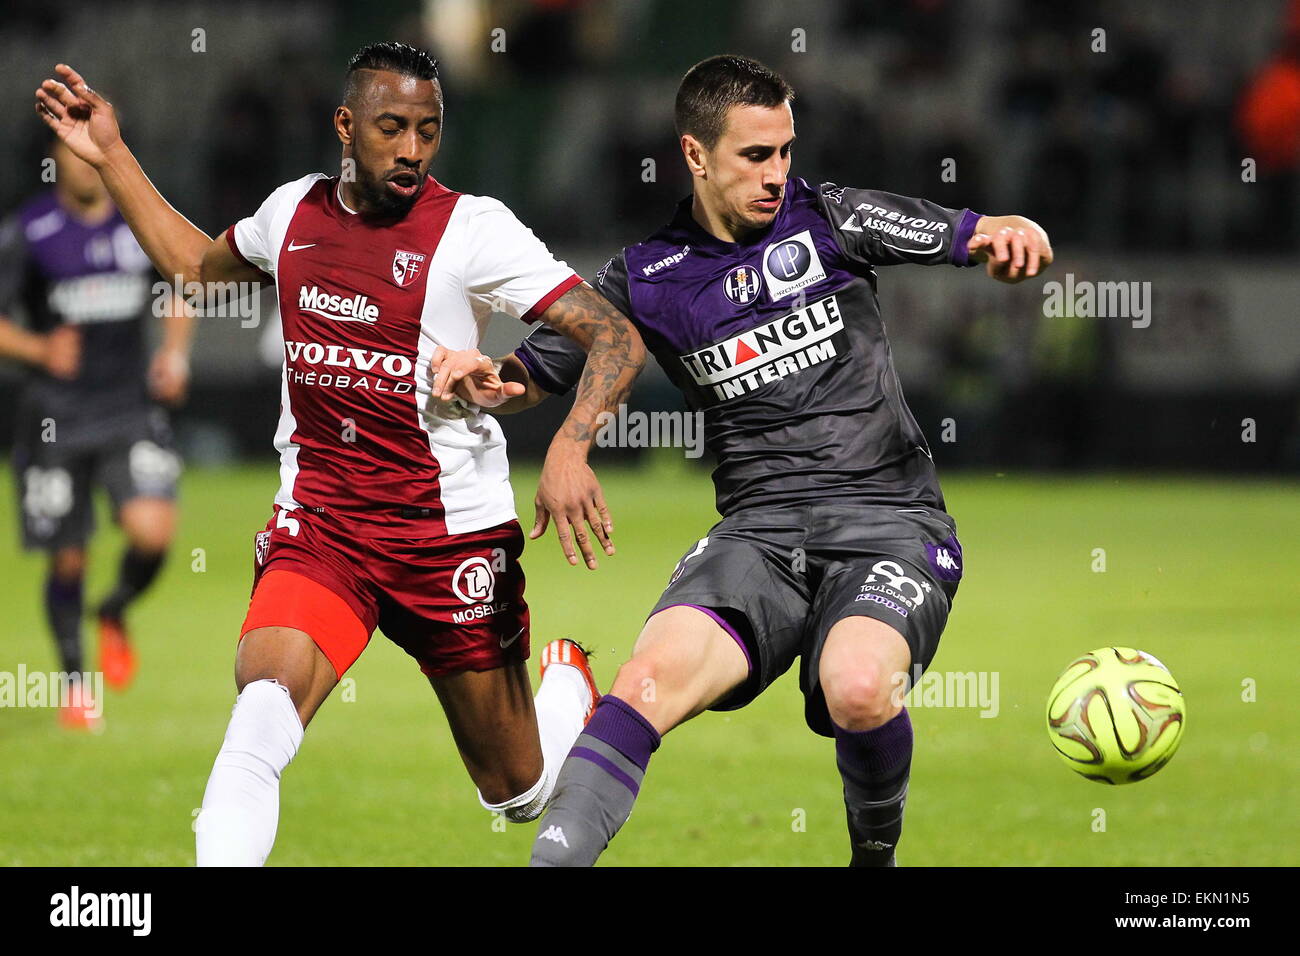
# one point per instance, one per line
(406, 267)
(741, 284)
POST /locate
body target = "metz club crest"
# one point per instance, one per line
(406, 267)
(261, 547)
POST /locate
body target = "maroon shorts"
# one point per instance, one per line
(454, 603)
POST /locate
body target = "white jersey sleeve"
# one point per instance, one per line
(257, 239)
(507, 268)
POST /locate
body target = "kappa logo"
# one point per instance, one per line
(555, 835)
(741, 285)
(406, 267)
(945, 558)
(875, 845)
(792, 264)
(666, 262)
(474, 581)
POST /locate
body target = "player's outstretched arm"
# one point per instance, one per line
(568, 491)
(87, 123)
(1015, 248)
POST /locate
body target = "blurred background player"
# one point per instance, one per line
(91, 412)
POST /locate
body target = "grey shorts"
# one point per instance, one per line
(779, 579)
(132, 458)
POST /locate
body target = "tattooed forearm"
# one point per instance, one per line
(615, 356)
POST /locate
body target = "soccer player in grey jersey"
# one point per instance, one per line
(759, 301)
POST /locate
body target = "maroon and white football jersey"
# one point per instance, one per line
(363, 307)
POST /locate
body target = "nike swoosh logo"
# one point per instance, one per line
(505, 643)
(293, 248)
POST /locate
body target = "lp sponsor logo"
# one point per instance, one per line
(792, 264)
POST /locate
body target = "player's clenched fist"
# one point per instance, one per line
(61, 356)
(1014, 248)
(79, 116)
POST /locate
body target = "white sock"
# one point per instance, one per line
(241, 806)
(561, 704)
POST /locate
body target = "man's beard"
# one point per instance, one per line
(383, 202)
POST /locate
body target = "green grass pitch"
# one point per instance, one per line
(1201, 573)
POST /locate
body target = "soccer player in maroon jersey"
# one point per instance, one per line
(395, 509)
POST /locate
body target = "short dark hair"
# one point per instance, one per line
(713, 86)
(400, 58)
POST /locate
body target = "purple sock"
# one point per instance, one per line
(617, 724)
(63, 610)
(877, 752)
(875, 765)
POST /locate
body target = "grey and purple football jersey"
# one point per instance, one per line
(95, 277)
(779, 341)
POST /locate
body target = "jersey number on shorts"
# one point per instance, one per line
(282, 520)
(681, 565)
(48, 493)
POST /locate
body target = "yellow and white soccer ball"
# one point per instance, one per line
(1116, 715)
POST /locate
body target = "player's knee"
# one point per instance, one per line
(149, 523)
(639, 681)
(150, 537)
(861, 699)
(151, 541)
(69, 564)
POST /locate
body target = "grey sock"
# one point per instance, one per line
(597, 786)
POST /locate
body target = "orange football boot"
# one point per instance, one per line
(116, 658)
(564, 651)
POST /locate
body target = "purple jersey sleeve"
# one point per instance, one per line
(554, 360)
(877, 228)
